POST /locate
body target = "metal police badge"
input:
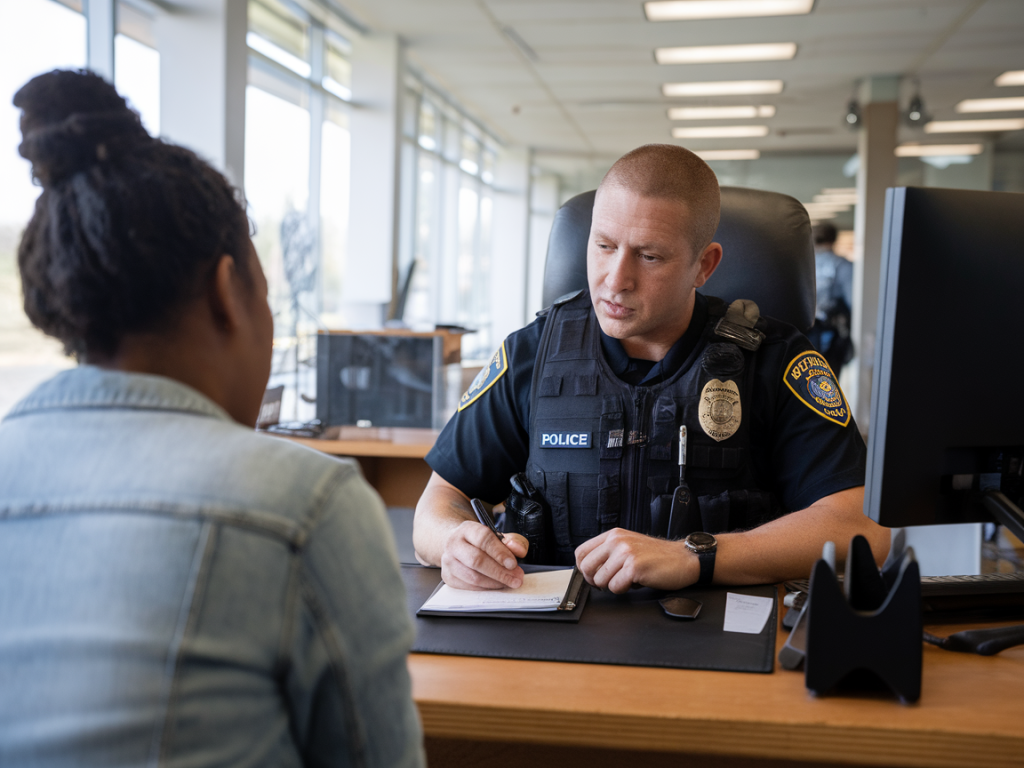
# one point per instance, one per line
(809, 377)
(484, 380)
(720, 412)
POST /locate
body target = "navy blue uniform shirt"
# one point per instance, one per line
(798, 453)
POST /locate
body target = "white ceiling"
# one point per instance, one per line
(579, 77)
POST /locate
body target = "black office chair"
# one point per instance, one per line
(766, 241)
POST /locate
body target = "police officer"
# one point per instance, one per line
(588, 399)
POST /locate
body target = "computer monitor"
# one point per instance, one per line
(946, 437)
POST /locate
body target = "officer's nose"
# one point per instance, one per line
(619, 276)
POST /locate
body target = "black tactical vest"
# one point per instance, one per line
(604, 454)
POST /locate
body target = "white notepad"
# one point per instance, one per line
(542, 591)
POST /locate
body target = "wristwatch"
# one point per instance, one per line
(704, 546)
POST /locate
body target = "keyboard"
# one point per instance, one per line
(976, 597)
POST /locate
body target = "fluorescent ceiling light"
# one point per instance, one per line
(991, 105)
(720, 132)
(722, 88)
(845, 198)
(672, 10)
(822, 206)
(720, 113)
(968, 126)
(715, 54)
(937, 150)
(729, 154)
(1015, 77)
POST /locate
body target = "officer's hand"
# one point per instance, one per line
(619, 559)
(474, 558)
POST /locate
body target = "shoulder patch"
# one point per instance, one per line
(484, 380)
(809, 377)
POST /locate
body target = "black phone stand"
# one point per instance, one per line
(873, 624)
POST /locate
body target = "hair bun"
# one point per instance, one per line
(72, 120)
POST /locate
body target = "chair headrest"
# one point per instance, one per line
(768, 254)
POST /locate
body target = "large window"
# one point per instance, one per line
(297, 181)
(448, 206)
(26, 355)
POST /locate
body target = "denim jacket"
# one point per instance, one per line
(177, 590)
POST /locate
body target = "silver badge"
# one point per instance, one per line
(720, 412)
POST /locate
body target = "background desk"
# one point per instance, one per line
(971, 713)
(391, 458)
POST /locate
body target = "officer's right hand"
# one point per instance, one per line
(474, 558)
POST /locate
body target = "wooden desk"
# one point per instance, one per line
(971, 713)
(391, 458)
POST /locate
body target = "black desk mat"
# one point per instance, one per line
(628, 629)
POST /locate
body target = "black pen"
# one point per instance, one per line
(484, 517)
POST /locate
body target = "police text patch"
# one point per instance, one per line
(565, 440)
(484, 380)
(809, 378)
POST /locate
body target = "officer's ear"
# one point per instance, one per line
(709, 261)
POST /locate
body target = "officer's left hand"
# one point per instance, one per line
(619, 559)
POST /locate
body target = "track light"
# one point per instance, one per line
(852, 114)
(916, 114)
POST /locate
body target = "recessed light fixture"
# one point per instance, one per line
(991, 105)
(970, 126)
(1015, 77)
(845, 198)
(720, 132)
(673, 10)
(720, 113)
(728, 154)
(722, 88)
(937, 150)
(715, 54)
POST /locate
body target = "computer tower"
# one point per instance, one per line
(387, 378)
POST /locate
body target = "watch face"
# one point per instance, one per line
(701, 542)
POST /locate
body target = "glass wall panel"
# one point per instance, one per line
(137, 78)
(27, 357)
(334, 195)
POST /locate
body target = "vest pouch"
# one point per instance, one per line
(735, 510)
(583, 520)
(661, 506)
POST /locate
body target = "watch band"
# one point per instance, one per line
(707, 568)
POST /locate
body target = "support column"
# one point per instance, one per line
(375, 125)
(876, 146)
(203, 69)
(101, 25)
(510, 242)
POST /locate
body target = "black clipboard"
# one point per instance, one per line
(576, 594)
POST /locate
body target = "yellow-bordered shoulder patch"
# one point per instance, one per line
(811, 379)
(484, 380)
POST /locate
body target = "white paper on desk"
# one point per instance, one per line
(541, 591)
(746, 613)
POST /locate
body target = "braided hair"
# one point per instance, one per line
(128, 228)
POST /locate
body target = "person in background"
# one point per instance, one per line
(176, 589)
(830, 333)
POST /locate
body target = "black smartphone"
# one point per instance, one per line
(680, 607)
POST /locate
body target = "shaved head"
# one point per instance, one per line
(669, 172)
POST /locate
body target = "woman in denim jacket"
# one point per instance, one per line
(175, 589)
